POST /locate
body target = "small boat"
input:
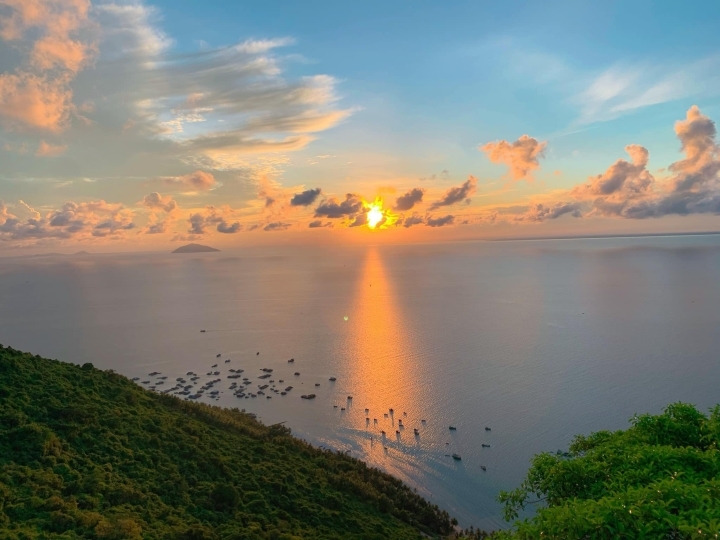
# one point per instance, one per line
(334, 406)
(227, 361)
(487, 429)
(485, 445)
(483, 467)
(349, 397)
(453, 428)
(415, 430)
(342, 408)
(333, 379)
(218, 355)
(317, 384)
(391, 411)
(397, 432)
(291, 361)
(214, 365)
(367, 411)
(297, 373)
(423, 421)
(257, 353)
(202, 331)
(456, 457)
(308, 396)
(404, 413)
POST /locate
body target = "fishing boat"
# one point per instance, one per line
(456, 457)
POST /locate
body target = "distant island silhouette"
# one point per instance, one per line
(194, 248)
(83, 252)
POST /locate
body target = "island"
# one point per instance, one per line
(194, 248)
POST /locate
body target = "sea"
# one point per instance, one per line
(537, 340)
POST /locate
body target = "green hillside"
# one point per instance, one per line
(85, 453)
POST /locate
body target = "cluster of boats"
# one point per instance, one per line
(242, 390)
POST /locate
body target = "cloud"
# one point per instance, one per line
(361, 219)
(622, 89)
(52, 39)
(276, 226)
(73, 220)
(521, 156)
(228, 228)
(318, 223)
(410, 199)
(440, 221)
(133, 107)
(622, 180)
(457, 194)
(415, 219)
(50, 150)
(332, 208)
(628, 190)
(306, 198)
(195, 181)
(541, 212)
(213, 216)
(156, 201)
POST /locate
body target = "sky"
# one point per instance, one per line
(146, 125)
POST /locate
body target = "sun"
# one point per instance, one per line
(374, 216)
(377, 217)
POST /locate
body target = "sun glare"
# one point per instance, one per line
(377, 217)
(374, 216)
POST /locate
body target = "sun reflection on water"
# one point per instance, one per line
(383, 375)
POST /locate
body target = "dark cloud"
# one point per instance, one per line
(72, 220)
(361, 219)
(410, 199)
(318, 223)
(276, 226)
(415, 219)
(306, 198)
(334, 209)
(227, 228)
(200, 221)
(541, 212)
(457, 194)
(439, 222)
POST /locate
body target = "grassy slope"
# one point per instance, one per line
(87, 454)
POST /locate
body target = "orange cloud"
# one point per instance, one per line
(195, 181)
(38, 94)
(50, 150)
(521, 156)
(35, 101)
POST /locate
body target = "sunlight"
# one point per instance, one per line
(377, 217)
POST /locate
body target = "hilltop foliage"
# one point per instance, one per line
(85, 453)
(656, 480)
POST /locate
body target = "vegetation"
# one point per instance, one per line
(656, 480)
(88, 454)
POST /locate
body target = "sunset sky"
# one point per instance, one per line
(145, 125)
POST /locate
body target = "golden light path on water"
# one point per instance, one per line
(384, 375)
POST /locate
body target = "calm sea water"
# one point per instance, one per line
(539, 340)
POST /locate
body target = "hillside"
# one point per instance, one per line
(194, 248)
(86, 453)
